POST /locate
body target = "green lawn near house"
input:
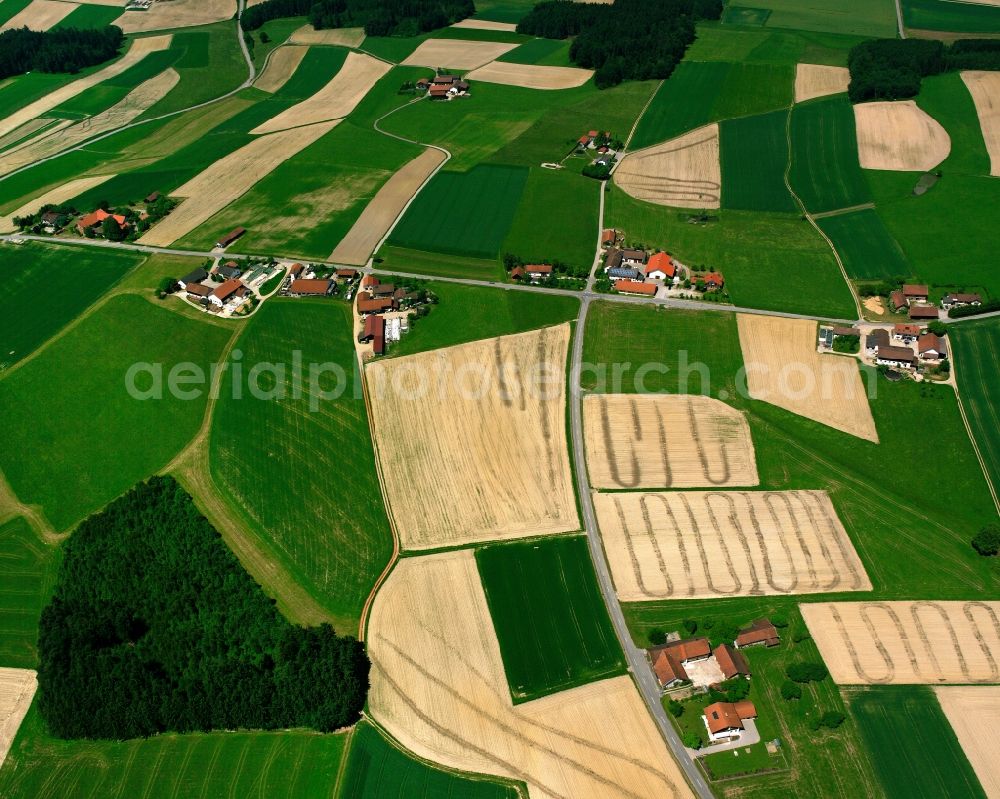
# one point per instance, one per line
(551, 622)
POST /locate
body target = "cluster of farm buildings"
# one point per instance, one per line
(913, 300)
(690, 664)
(637, 271)
(444, 87)
(384, 310)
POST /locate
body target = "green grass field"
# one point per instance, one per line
(419, 262)
(825, 172)
(30, 567)
(946, 15)
(550, 619)
(111, 91)
(754, 155)
(90, 441)
(11, 8)
(74, 277)
(301, 471)
(557, 219)
(722, 42)
(468, 313)
(771, 261)
(876, 18)
(543, 52)
(865, 246)
(948, 101)
(700, 92)
(377, 769)
(297, 765)
(89, 16)
(911, 743)
(976, 350)
(463, 213)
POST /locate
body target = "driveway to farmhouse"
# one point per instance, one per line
(748, 738)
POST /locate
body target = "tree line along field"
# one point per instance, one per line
(301, 471)
(912, 745)
(83, 277)
(867, 483)
(551, 622)
(976, 349)
(867, 249)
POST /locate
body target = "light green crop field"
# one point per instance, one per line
(772, 261)
(700, 92)
(550, 619)
(911, 743)
(557, 219)
(463, 213)
(69, 406)
(875, 18)
(74, 277)
(946, 15)
(825, 173)
(301, 470)
(865, 246)
(722, 42)
(469, 313)
(297, 765)
(30, 567)
(308, 203)
(947, 100)
(976, 350)
(377, 769)
(754, 153)
(109, 92)
(543, 52)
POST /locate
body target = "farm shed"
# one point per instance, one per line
(230, 237)
(760, 632)
(923, 312)
(314, 288)
(635, 287)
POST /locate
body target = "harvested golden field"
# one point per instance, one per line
(472, 440)
(60, 194)
(899, 136)
(336, 37)
(707, 544)
(784, 369)
(280, 67)
(130, 107)
(907, 642)
(529, 76)
(17, 689)
(335, 100)
(40, 15)
(165, 14)
(985, 90)
(486, 25)
(683, 172)
(140, 49)
(387, 204)
(229, 178)
(666, 441)
(24, 131)
(438, 686)
(455, 53)
(817, 80)
(974, 714)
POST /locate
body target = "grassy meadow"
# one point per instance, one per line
(911, 743)
(976, 350)
(867, 249)
(875, 18)
(300, 470)
(946, 15)
(30, 567)
(769, 45)
(89, 16)
(74, 278)
(90, 441)
(420, 262)
(754, 153)
(549, 615)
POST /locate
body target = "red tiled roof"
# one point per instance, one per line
(198, 289)
(294, 269)
(722, 716)
(517, 272)
(369, 280)
(348, 273)
(661, 262)
(608, 236)
(923, 312)
(902, 329)
(931, 341)
(712, 279)
(914, 290)
(540, 269)
(896, 299)
(760, 632)
(97, 217)
(310, 286)
(374, 306)
(668, 668)
(731, 661)
(635, 287)
(226, 290)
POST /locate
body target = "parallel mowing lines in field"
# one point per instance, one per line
(979, 401)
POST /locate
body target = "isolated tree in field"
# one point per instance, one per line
(690, 626)
(831, 719)
(987, 540)
(790, 690)
(807, 672)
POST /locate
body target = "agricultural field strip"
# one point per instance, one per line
(330, 37)
(438, 687)
(130, 107)
(281, 65)
(816, 80)
(985, 90)
(530, 76)
(176, 14)
(40, 15)
(488, 450)
(140, 49)
(17, 689)
(455, 54)
(666, 441)
(712, 544)
(907, 642)
(899, 136)
(974, 715)
(58, 195)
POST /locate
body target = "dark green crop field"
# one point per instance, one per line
(976, 350)
(867, 249)
(825, 170)
(912, 745)
(857, 17)
(947, 15)
(550, 619)
(467, 213)
(754, 155)
(376, 769)
(89, 16)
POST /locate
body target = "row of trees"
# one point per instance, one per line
(155, 626)
(377, 17)
(892, 69)
(627, 40)
(66, 50)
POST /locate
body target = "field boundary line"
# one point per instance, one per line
(809, 217)
(11, 507)
(841, 211)
(972, 437)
